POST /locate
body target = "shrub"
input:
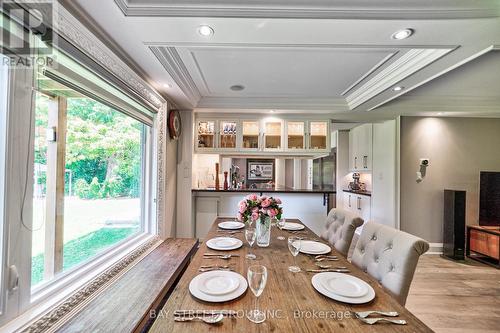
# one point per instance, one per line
(82, 189)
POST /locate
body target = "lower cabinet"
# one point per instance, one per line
(358, 204)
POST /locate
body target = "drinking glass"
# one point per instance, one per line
(250, 236)
(257, 278)
(294, 244)
(281, 224)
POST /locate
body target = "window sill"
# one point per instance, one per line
(51, 294)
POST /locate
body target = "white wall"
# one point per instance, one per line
(458, 149)
(384, 173)
(184, 220)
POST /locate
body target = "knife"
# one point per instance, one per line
(327, 270)
(204, 312)
(221, 254)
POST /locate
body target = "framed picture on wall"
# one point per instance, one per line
(260, 169)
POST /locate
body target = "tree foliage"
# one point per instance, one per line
(103, 149)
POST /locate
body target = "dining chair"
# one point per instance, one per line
(339, 229)
(390, 256)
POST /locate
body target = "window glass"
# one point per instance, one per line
(88, 191)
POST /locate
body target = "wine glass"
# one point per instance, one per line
(257, 278)
(294, 244)
(250, 236)
(281, 224)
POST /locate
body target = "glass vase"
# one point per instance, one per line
(263, 229)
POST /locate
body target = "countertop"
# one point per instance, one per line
(368, 193)
(266, 190)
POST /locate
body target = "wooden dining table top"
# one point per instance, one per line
(290, 300)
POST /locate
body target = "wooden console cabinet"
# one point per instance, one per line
(483, 244)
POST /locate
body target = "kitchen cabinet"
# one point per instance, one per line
(250, 135)
(264, 135)
(318, 135)
(359, 204)
(273, 134)
(296, 135)
(360, 148)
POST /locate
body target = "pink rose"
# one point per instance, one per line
(255, 210)
(255, 216)
(272, 212)
(239, 217)
(278, 201)
(266, 202)
(242, 206)
(252, 197)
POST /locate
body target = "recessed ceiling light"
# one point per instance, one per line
(398, 88)
(272, 111)
(402, 34)
(167, 85)
(205, 30)
(440, 113)
(237, 87)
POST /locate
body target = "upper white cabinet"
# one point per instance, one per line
(283, 135)
(360, 148)
(273, 134)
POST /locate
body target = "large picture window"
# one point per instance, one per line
(89, 171)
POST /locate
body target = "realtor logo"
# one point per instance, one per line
(24, 24)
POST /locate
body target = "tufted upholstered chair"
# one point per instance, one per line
(339, 229)
(390, 256)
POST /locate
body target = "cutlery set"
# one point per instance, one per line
(363, 316)
(219, 256)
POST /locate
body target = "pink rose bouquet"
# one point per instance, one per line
(253, 207)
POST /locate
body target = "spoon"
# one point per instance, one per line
(206, 319)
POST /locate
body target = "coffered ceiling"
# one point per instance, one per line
(318, 56)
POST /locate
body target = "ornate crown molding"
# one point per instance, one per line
(408, 64)
(173, 64)
(312, 9)
(68, 27)
(56, 317)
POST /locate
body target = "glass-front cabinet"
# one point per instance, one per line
(205, 130)
(272, 134)
(318, 135)
(296, 134)
(227, 134)
(250, 135)
(267, 134)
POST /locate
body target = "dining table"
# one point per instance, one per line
(289, 299)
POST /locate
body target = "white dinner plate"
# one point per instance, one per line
(293, 226)
(312, 247)
(196, 292)
(224, 243)
(345, 285)
(231, 225)
(218, 283)
(318, 284)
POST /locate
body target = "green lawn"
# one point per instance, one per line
(80, 249)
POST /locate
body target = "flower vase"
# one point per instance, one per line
(263, 230)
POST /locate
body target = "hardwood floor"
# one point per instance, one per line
(457, 297)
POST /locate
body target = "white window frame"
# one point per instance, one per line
(31, 302)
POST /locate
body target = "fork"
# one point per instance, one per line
(215, 266)
(326, 259)
(365, 314)
(372, 321)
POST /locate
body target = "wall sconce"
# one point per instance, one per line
(424, 163)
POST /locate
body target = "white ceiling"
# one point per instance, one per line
(342, 64)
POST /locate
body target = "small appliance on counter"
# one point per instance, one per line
(356, 185)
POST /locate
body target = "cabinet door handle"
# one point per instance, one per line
(355, 162)
(349, 200)
(359, 203)
(365, 162)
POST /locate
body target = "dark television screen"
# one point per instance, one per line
(489, 199)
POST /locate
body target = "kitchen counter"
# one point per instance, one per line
(368, 193)
(266, 190)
